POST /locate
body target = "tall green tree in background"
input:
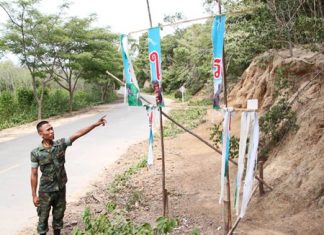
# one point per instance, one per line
(141, 65)
(60, 49)
(101, 55)
(298, 21)
(29, 34)
(71, 53)
(188, 58)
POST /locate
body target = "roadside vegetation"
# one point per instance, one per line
(114, 219)
(62, 63)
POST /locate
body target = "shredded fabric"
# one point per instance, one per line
(150, 155)
(249, 132)
(245, 126)
(131, 88)
(226, 141)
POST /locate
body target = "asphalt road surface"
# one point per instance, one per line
(85, 159)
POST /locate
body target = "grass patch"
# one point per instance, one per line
(189, 117)
(122, 179)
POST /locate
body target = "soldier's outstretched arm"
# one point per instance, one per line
(34, 182)
(102, 121)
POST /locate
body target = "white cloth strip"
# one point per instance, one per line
(251, 162)
(245, 126)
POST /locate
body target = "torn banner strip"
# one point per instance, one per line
(132, 88)
(249, 137)
(150, 114)
(226, 141)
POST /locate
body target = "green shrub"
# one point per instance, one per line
(216, 137)
(178, 94)
(275, 124)
(8, 105)
(56, 102)
(25, 98)
(81, 100)
(121, 226)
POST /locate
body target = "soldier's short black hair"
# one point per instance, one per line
(40, 124)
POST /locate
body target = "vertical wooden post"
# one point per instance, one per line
(149, 12)
(261, 189)
(164, 191)
(227, 201)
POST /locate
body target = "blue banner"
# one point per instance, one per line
(154, 46)
(218, 31)
(132, 87)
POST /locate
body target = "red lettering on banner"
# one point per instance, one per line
(217, 68)
(154, 58)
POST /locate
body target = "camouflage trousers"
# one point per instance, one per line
(48, 200)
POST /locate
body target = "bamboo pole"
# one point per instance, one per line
(193, 134)
(164, 190)
(233, 13)
(227, 201)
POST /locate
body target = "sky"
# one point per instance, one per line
(130, 15)
(125, 16)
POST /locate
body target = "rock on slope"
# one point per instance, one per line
(295, 167)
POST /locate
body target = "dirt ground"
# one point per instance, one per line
(192, 181)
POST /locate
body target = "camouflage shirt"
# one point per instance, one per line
(51, 163)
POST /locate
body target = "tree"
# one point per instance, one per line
(285, 13)
(29, 34)
(102, 55)
(84, 52)
(71, 43)
(298, 21)
(141, 65)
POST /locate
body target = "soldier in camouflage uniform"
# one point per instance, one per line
(50, 158)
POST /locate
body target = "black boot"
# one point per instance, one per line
(57, 232)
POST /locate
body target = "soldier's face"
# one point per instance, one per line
(46, 132)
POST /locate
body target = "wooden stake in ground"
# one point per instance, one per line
(164, 191)
(227, 202)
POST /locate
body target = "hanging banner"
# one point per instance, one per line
(150, 155)
(132, 88)
(226, 142)
(154, 47)
(249, 131)
(218, 31)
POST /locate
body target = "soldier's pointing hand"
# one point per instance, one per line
(102, 121)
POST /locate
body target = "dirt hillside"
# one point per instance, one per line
(295, 167)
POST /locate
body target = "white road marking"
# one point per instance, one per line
(9, 168)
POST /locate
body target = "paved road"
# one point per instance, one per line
(86, 158)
